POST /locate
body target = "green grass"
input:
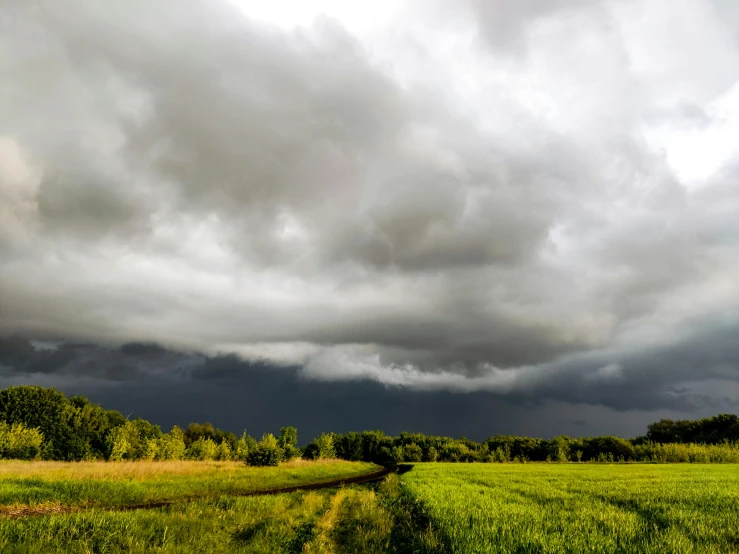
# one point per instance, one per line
(317, 522)
(574, 508)
(432, 509)
(264, 524)
(105, 484)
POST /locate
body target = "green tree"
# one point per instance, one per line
(19, 442)
(244, 445)
(266, 452)
(202, 449)
(172, 445)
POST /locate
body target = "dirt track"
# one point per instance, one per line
(28, 511)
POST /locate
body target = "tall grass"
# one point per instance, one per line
(726, 453)
(347, 520)
(106, 484)
(269, 524)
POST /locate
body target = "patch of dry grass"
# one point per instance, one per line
(109, 484)
(140, 470)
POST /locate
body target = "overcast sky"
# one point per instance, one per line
(458, 216)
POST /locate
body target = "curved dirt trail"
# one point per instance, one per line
(28, 511)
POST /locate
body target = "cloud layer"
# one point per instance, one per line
(531, 199)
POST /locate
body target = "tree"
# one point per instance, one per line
(19, 442)
(202, 449)
(288, 436)
(412, 453)
(244, 445)
(206, 430)
(267, 452)
(172, 445)
(223, 451)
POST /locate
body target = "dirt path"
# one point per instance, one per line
(28, 511)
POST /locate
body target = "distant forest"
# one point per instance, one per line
(43, 423)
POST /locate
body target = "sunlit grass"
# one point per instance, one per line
(265, 524)
(573, 508)
(331, 521)
(106, 484)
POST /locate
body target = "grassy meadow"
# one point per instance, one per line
(573, 508)
(108, 484)
(434, 508)
(350, 519)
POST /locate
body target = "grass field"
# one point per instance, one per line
(105, 484)
(552, 508)
(432, 509)
(320, 522)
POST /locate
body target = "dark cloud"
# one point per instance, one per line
(490, 197)
(237, 394)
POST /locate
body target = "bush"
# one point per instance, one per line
(432, 454)
(134, 440)
(290, 452)
(322, 447)
(608, 448)
(412, 453)
(151, 449)
(18, 441)
(172, 445)
(244, 445)
(559, 449)
(202, 449)
(688, 453)
(223, 452)
(267, 452)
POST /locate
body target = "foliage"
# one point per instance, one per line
(202, 449)
(134, 440)
(267, 452)
(197, 431)
(688, 453)
(709, 430)
(172, 445)
(244, 445)
(322, 447)
(73, 429)
(18, 441)
(412, 453)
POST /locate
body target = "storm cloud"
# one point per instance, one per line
(533, 200)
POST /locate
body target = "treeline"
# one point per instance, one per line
(42, 423)
(709, 430)
(376, 447)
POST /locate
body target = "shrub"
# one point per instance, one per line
(412, 453)
(223, 451)
(119, 442)
(172, 445)
(324, 446)
(608, 448)
(267, 452)
(151, 449)
(243, 446)
(290, 452)
(559, 449)
(18, 441)
(202, 449)
(432, 454)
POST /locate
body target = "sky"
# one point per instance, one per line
(463, 217)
